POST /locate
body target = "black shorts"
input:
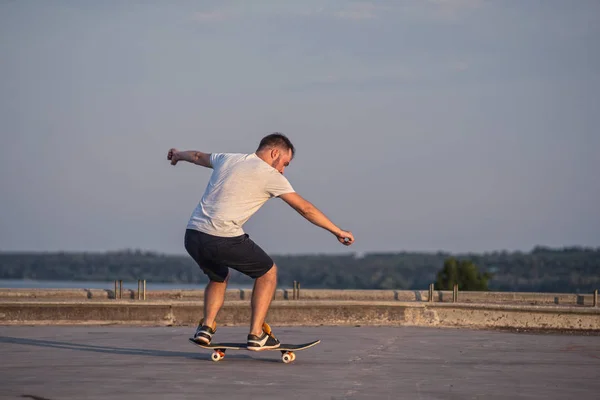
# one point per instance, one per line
(215, 255)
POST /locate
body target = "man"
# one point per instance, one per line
(239, 185)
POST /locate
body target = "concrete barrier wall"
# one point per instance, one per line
(305, 313)
(505, 316)
(308, 294)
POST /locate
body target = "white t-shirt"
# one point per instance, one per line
(239, 185)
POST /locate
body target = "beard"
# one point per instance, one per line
(275, 162)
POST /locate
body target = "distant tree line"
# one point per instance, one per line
(570, 269)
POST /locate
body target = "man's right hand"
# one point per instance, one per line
(345, 237)
(172, 156)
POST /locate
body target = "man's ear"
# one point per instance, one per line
(274, 153)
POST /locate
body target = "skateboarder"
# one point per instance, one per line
(239, 185)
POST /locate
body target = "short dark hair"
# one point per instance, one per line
(277, 139)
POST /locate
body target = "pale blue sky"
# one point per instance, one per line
(458, 125)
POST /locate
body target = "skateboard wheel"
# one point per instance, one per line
(288, 357)
(217, 356)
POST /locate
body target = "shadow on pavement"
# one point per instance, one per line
(120, 350)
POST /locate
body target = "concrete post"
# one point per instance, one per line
(455, 293)
(144, 289)
(116, 296)
(596, 298)
(120, 288)
(431, 292)
(294, 293)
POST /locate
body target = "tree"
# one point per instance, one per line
(462, 272)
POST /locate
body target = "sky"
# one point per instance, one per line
(420, 125)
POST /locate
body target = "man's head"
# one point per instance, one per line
(276, 150)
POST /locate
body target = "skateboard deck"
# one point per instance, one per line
(287, 350)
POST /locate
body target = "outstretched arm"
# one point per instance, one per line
(194, 157)
(314, 215)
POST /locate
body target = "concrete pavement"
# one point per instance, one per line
(118, 362)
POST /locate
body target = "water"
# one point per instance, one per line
(32, 284)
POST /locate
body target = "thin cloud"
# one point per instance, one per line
(210, 16)
(457, 4)
(452, 9)
(357, 79)
(459, 66)
(357, 12)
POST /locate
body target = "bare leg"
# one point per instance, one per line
(262, 294)
(214, 296)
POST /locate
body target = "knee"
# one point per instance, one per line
(272, 272)
(267, 275)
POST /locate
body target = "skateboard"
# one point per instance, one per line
(287, 350)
